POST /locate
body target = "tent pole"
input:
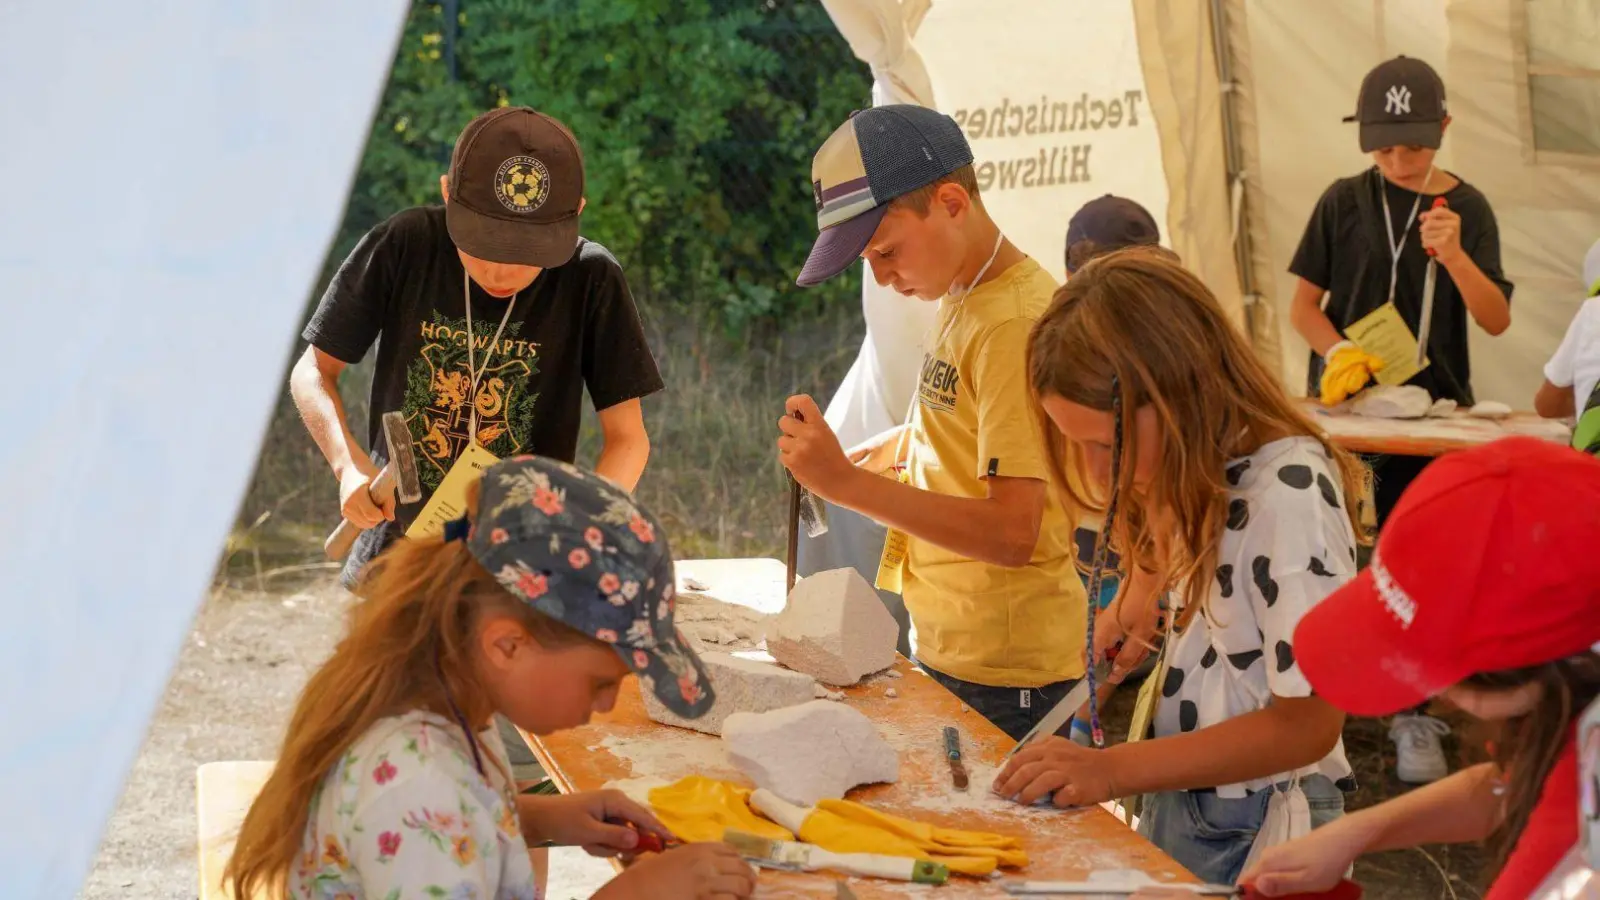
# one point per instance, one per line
(1235, 162)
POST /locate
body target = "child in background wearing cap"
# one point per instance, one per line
(1208, 474)
(987, 575)
(1484, 590)
(535, 605)
(550, 314)
(1571, 375)
(1363, 250)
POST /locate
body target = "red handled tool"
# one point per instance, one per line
(649, 841)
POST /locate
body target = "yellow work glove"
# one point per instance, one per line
(698, 808)
(845, 827)
(937, 841)
(1346, 370)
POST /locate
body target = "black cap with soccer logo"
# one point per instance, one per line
(516, 185)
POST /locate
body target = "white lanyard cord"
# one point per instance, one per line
(1388, 225)
(473, 372)
(955, 310)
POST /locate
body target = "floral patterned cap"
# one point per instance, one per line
(579, 549)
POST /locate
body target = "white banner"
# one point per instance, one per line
(1052, 98)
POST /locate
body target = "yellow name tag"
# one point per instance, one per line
(449, 502)
(891, 565)
(1384, 334)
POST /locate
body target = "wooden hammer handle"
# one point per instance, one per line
(338, 544)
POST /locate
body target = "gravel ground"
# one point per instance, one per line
(228, 698)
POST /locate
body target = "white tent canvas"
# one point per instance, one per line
(1524, 84)
(173, 184)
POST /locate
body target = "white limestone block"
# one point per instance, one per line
(1442, 408)
(834, 629)
(1405, 401)
(809, 752)
(742, 686)
(1490, 409)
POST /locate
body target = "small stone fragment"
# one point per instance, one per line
(891, 692)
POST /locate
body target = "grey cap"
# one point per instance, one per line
(1401, 105)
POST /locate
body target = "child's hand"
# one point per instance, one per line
(810, 450)
(1309, 864)
(579, 820)
(690, 872)
(1054, 766)
(1441, 233)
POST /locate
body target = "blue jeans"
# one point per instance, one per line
(1004, 706)
(1211, 836)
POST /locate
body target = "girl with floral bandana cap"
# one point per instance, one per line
(393, 782)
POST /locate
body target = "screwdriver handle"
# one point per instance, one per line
(1438, 202)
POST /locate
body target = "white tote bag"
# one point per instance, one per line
(1288, 817)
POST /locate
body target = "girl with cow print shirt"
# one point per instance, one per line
(1227, 502)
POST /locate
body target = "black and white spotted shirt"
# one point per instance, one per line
(1287, 545)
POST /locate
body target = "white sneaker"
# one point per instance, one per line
(1420, 755)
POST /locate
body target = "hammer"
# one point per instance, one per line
(398, 477)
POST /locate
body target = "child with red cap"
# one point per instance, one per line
(1484, 590)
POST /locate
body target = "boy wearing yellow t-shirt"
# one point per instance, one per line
(997, 610)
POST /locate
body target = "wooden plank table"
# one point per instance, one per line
(625, 749)
(1432, 436)
(223, 794)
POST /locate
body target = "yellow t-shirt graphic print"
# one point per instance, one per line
(974, 621)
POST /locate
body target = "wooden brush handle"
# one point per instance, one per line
(338, 544)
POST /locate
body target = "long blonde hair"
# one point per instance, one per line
(409, 641)
(1137, 318)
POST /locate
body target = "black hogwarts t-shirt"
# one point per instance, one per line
(575, 327)
(1346, 251)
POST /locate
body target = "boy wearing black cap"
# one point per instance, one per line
(1362, 249)
(549, 313)
(978, 547)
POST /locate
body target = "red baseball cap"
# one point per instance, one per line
(1490, 561)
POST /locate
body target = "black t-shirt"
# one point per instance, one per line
(576, 326)
(1346, 251)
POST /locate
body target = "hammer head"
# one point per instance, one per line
(403, 462)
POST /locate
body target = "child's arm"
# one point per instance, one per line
(1441, 232)
(1307, 317)
(1555, 402)
(1001, 529)
(1555, 399)
(624, 444)
(1458, 809)
(1289, 734)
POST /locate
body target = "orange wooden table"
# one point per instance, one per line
(1430, 437)
(626, 746)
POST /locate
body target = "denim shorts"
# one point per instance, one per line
(1211, 836)
(1012, 710)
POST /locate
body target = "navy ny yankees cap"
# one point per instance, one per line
(1401, 105)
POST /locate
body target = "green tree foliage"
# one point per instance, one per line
(697, 119)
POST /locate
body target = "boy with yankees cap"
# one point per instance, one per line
(979, 548)
(549, 314)
(1364, 250)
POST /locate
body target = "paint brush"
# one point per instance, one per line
(797, 857)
